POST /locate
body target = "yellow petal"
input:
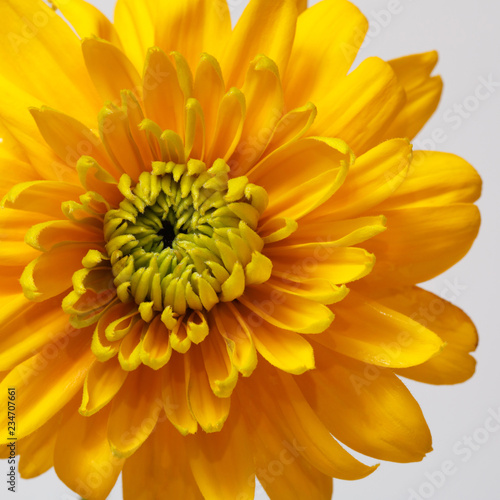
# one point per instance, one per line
(264, 102)
(69, 138)
(117, 139)
(422, 242)
(102, 383)
(422, 93)
(209, 90)
(45, 384)
(361, 106)
(321, 261)
(292, 126)
(212, 455)
(87, 20)
(82, 454)
(263, 28)
(229, 126)
(14, 163)
(160, 470)
(305, 189)
(379, 417)
(454, 364)
(192, 27)
(134, 411)
(33, 57)
(265, 304)
(44, 277)
(163, 98)
(110, 70)
(134, 22)
(370, 332)
(328, 38)
(435, 179)
(374, 176)
(43, 197)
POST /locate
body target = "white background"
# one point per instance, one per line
(467, 36)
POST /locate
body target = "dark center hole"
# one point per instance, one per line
(167, 233)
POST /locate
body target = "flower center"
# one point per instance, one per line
(184, 237)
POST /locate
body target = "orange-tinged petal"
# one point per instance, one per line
(337, 233)
(47, 381)
(46, 235)
(174, 394)
(327, 162)
(83, 459)
(422, 242)
(361, 106)
(374, 176)
(102, 382)
(217, 358)
(192, 27)
(238, 337)
(283, 402)
(264, 28)
(37, 450)
(13, 226)
(435, 179)
(134, 411)
(370, 332)
(160, 468)
(273, 451)
(208, 409)
(110, 69)
(328, 38)
(212, 455)
(35, 326)
(155, 349)
(285, 350)
(379, 417)
(454, 364)
(264, 303)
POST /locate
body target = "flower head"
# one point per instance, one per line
(211, 241)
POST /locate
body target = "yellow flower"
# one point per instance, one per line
(191, 217)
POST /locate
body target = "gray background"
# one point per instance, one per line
(467, 37)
